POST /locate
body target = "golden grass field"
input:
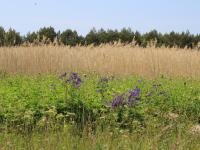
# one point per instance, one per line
(126, 60)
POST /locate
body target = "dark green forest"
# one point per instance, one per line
(48, 35)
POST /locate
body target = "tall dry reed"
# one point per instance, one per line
(149, 62)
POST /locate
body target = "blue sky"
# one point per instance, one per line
(82, 15)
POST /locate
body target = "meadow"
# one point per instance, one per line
(111, 97)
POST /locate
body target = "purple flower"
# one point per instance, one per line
(75, 80)
(134, 96)
(74, 75)
(117, 101)
(135, 93)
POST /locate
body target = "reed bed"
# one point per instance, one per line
(105, 59)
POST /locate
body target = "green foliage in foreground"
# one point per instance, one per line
(68, 113)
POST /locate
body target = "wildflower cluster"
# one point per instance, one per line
(134, 96)
(118, 101)
(131, 100)
(74, 79)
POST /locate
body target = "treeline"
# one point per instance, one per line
(48, 35)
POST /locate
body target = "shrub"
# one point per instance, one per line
(12, 38)
(46, 34)
(31, 37)
(69, 37)
(2, 36)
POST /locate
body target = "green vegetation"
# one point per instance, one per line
(93, 112)
(48, 35)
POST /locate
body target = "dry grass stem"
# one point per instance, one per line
(126, 60)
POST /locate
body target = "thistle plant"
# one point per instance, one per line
(74, 79)
(129, 99)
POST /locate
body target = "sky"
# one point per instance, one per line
(82, 15)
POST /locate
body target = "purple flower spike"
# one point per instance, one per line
(134, 96)
(117, 101)
(74, 75)
(135, 93)
(75, 80)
